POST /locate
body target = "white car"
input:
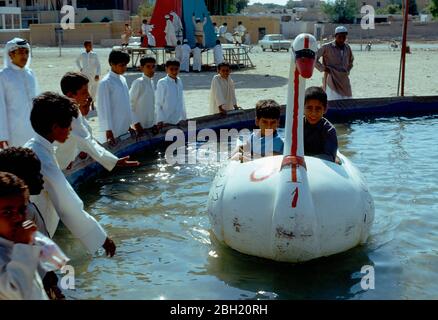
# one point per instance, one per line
(275, 42)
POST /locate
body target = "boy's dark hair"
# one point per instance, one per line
(269, 109)
(173, 62)
(72, 82)
(147, 59)
(240, 22)
(50, 108)
(145, 21)
(316, 93)
(23, 163)
(225, 24)
(218, 41)
(178, 42)
(87, 42)
(118, 56)
(11, 185)
(223, 65)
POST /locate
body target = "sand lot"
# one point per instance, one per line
(374, 74)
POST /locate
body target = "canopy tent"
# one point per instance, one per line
(184, 9)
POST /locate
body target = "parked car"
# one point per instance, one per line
(275, 42)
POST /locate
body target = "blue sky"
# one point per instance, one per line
(282, 2)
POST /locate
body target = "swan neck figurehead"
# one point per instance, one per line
(304, 49)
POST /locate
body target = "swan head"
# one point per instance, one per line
(304, 48)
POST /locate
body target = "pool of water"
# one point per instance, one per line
(157, 215)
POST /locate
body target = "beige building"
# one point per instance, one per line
(380, 4)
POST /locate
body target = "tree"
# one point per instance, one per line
(146, 9)
(240, 5)
(340, 11)
(433, 8)
(291, 4)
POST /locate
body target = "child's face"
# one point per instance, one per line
(225, 72)
(149, 69)
(20, 57)
(119, 68)
(60, 134)
(172, 71)
(12, 216)
(82, 97)
(313, 111)
(267, 126)
(88, 47)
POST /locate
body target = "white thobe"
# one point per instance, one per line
(147, 29)
(89, 65)
(59, 201)
(222, 93)
(185, 60)
(170, 34)
(142, 95)
(177, 24)
(18, 86)
(113, 105)
(179, 53)
(81, 140)
(197, 59)
(19, 278)
(222, 30)
(218, 54)
(169, 101)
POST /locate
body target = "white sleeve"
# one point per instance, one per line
(98, 67)
(70, 209)
(184, 114)
(78, 62)
(216, 91)
(88, 144)
(134, 94)
(17, 277)
(4, 126)
(159, 101)
(103, 107)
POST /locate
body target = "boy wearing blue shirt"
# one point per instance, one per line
(265, 141)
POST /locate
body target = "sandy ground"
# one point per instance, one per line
(375, 74)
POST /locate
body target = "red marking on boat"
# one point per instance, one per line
(295, 198)
(294, 146)
(306, 42)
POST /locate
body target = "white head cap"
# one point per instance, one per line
(13, 45)
(167, 16)
(340, 29)
(186, 41)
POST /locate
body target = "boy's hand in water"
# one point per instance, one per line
(222, 110)
(24, 232)
(3, 144)
(110, 247)
(124, 162)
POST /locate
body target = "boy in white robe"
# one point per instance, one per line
(185, 60)
(113, 105)
(177, 24)
(170, 33)
(89, 65)
(24, 163)
(178, 51)
(197, 58)
(19, 257)
(81, 140)
(239, 33)
(18, 86)
(146, 31)
(169, 98)
(222, 92)
(142, 94)
(218, 53)
(51, 119)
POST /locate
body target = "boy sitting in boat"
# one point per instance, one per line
(320, 138)
(264, 141)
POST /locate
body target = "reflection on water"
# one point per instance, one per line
(157, 215)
